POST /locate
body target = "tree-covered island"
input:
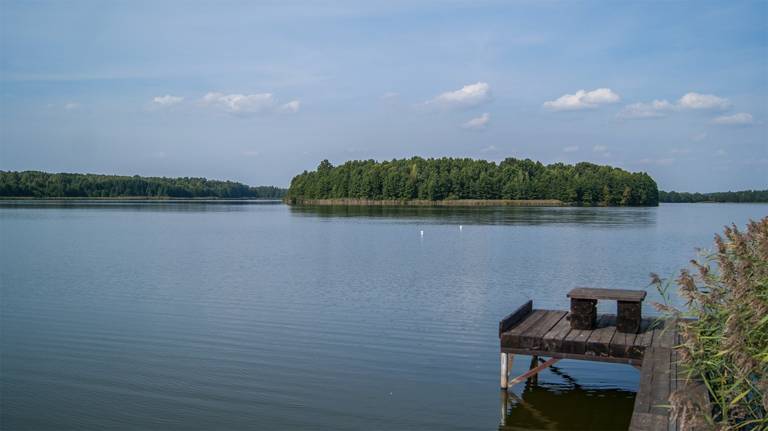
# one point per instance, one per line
(454, 179)
(35, 184)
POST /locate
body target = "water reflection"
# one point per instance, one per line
(565, 405)
(605, 217)
(143, 205)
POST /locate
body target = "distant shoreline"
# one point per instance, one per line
(136, 199)
(428, 203)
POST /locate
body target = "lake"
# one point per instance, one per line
(195, 315)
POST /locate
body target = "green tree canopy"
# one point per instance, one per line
(45, 185)
(449, 178)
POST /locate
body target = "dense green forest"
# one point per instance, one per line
(740, 196)
(449, 178)
(45, 185)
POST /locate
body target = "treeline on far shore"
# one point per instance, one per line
(447, 178)
(743, 196)
(35, 184)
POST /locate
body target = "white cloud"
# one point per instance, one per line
(69, 106)
(167, 100)
(469, 95)
(389, 95)
(599, 148)
(739, 119)
(702, 101)
(291, 107)
(720, 152)
(478, 123)
(657, 108)
(489, 149)
(240, 103)
(680, 151)
(247, 104)
(571, 148)
(583, 99)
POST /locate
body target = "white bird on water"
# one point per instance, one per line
(460, 227)
(422, 233)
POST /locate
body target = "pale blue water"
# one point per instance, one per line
(257, 316)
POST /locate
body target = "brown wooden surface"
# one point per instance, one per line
(548, 333)
(609, 294)
(515, 316)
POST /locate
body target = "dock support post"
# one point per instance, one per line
(534, 363)
(506, 367)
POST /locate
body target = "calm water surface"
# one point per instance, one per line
(230, 316)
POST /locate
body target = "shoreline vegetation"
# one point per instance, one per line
(43, 185)
(724, 331)
(452, 179)
(741, 196)
(429, 203)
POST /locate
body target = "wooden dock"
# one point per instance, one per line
(548, 333)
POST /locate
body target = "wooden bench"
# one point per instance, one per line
(584, 308)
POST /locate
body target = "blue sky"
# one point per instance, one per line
(259, 91)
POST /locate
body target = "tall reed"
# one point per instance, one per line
(724, 330)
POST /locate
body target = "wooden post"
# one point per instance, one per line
(504, 402)
(507, 360)
(504, 372)
(534, 363)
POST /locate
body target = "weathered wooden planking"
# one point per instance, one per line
(511, 338)
(514, 317)
(553, 339)
(562, 355)
(610, 294)
(533, 337)
(644, 339)
(621, 344)
(662, 357)
(665, 335)
(600, 340)
(576, 341)
(647, 422)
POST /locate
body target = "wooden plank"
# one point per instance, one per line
(666, 336)
(621, 344)
(580, 357)
(661, 381)
(647, 422)
(514, 317)
(637, 349)
(599, 341)
(610, 294)
(533, 337)
(553, 339)
(643, 396)
(644, 339)
(511, 338)
(576, 341)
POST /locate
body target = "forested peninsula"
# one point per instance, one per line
(742, 196)
(35, 184)
(418, 180)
